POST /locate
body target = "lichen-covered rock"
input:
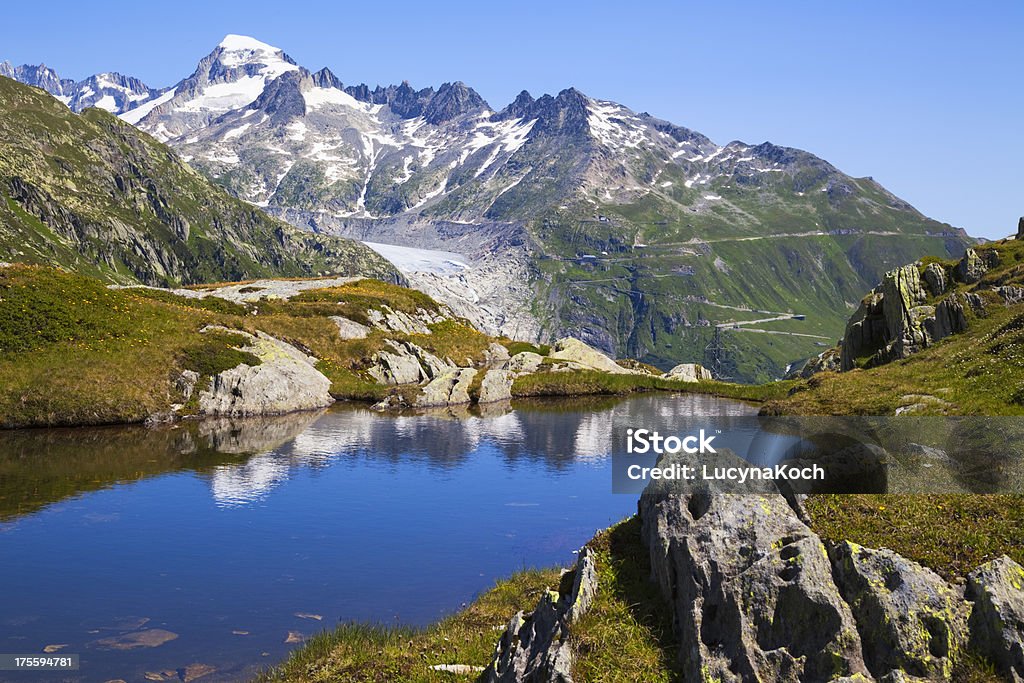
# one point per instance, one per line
(893, 321)
(865, 331)
(449, 388)
(1011, 294)
(949, 318)
(524, 363)
(935, 279)
(399, 367)
(827, 361)
(971, 267)
(910, 620)
(285, 381)
(689, 372)
(431, 364)
(496, 385)
(904, 295)
(535, 648)
(391, 320)
(576, 352)
(495, 354)
(997, 616)
(751, 590)
(350, 329)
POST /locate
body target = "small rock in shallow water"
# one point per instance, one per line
(307, 615)
(194, 671)
(54, 648)
(153, 637)
(294, 637)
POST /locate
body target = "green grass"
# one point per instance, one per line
(627, 634)
(357, 653)
(515, 347)
(589, 382)
(951, 534)
(73, 351)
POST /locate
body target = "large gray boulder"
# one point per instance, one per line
(997, 618)
(350, 329)
(971, 267)
(285, 381)
(751, 590)
(586, 357)
(450, 388)
(524, 363)
(398, 367)
(496, 385)
(910, 620)
(950, 318)
(689, 372)
(935, 279)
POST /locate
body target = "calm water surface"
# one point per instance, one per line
(234, 535)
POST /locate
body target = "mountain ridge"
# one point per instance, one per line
(601, 204)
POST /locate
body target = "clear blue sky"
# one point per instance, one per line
(928, 98)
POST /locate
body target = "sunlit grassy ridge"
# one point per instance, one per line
(977, 372)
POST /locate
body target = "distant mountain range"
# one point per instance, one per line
(579, 215)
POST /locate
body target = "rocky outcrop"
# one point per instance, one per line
(689, 372)
(971, 267)
(997, 620)
(581, 356)
(406, 363)
(1020, 228)
(450, 388)
(496, 385)
(391, 320)
(524, 363)
(827, 361)
(935, 279)
(894, 320)
(909, 619)
(284, 381)
(756, 596)
(750, 588)
(535, 647)
(949, 318)
(1010, 294)
(350, 329)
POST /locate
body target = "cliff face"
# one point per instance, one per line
(915, 306)
(91, 193)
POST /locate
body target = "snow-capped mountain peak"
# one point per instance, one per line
(230, 78)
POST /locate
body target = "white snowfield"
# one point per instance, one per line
(413, 260)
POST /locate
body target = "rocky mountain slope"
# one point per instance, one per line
(934, 336)
(578, 215)
(92, 193)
